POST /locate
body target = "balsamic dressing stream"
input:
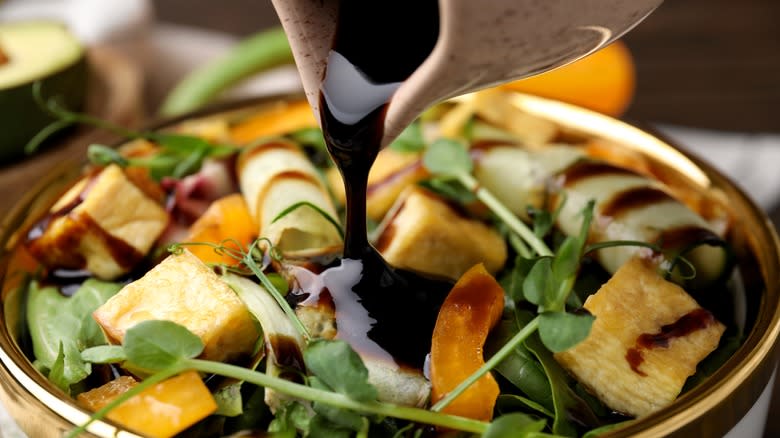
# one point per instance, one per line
(377, 46)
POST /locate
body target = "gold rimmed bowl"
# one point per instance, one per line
(741, 388)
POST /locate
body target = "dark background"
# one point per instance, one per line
(702, 63)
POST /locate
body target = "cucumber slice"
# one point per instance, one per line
(36, 51)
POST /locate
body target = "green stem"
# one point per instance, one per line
(520, 246)
(338, 400)
(260, 52)
(250, 263)
(132, 392)
(489, 365)
(44, 134)
(504, 214)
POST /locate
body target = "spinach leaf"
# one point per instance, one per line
(568, 406)
(520, 368)
(104, 354)
(61, 327)
(68, 368)
(506, 403)
(514, 425)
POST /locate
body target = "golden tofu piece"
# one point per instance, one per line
(104, 224)
(647, 339)
(184, 290)
(424, 234)
(390, 175)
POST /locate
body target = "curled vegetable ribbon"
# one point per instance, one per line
(469, 312)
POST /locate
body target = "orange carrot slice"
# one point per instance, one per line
(471, 309)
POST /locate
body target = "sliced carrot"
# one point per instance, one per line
(281, 119)
(99, 397)
(471, 309)
(162, 410)
(226, 222)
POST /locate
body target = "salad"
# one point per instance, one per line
(180, 286)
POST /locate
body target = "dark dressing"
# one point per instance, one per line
(585, 169)
(633, 199)
(380, 310)
(697, 319)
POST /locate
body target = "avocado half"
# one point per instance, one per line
(30, 52)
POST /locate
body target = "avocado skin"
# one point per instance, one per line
(21, 117)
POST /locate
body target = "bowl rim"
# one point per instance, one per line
(751, 366)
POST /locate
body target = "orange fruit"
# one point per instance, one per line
(603, 81)
(226, 222)
(162, 410)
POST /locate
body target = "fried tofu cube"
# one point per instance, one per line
(184, 290)
(104, 224)
(425, 234)
(647, 339)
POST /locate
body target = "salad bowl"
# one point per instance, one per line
(740, 387)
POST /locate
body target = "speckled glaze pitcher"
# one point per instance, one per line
(481, 43)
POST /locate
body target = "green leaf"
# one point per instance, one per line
(542, 221)
(229, 400)
(68, 368)
(290, 418)
(309, 137)
(520, 368)
(514, 425)
(449, 188)
(155, 345)
(104, 155)
(337, 364)
(593, 433)
(560, 330)
(538, 282)
(321, 427)
(410, 139)
(91, 295)
(61, 338)
(255, 413)
(567, 259)
(104, 354)
(447, 157)
(569, 408)
(340, 417)
(279, 282)
(506, 403)
(178, 143)
(520, 272)
(189, 164)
